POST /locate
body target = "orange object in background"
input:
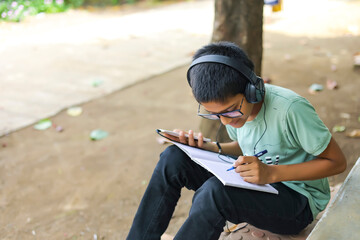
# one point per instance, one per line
(277, 7)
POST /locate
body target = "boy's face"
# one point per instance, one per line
(232, 103)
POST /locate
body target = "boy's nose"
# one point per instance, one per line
(225, 120)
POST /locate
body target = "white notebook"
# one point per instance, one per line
(211, 162)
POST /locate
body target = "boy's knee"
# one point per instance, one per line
(172, 157)
(210, 190)
(171, 151)
(208, 201)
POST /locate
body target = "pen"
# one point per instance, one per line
(259, 154)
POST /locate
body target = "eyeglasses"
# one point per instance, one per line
(215, 116)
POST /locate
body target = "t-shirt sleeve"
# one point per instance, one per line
(305, 129)
(232, 132)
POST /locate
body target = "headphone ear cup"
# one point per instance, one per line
(255, 93)
(250, 93)
(260, 89)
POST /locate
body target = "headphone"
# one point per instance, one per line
(254, 90)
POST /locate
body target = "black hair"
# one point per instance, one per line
(218, 82)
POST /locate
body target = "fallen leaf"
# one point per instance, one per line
(74, 111)
(98, 134)
(315, 88)
(59, 129)
(345, 115)
(331, 84)
(97, 82)
(43, 124)
(354, 133)
(338, 128)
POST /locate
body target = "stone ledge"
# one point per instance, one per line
(341, 218)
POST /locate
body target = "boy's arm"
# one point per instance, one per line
(230, 148)
(332, 161)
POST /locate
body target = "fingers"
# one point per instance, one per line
(243, 160)
(200, 141)
(189, 138)
(243, 168)
(171, 137)
(252, 170)
(248, 174)
(182, 137)
(247, 167)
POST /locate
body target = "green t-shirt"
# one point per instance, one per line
(294, 134)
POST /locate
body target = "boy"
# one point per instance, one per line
(301, 154)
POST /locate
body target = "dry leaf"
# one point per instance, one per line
(354, 133)
(331, 84)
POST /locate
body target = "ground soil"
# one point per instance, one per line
(62, 185)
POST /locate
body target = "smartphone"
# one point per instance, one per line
(175, 134)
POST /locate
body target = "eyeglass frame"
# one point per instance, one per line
(221, 114)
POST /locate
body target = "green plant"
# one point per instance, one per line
(16, 10)
(74, 3)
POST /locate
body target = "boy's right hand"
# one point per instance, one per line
(188, 140)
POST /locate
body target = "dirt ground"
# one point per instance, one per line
(62, 185)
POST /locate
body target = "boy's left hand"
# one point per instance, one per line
(252, 170)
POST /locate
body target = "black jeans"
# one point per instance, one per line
(213, 203)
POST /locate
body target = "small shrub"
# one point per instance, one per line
(16, 10)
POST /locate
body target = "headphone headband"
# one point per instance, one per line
(227, 61)
(254, 90)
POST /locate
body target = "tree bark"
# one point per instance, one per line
(240, 22)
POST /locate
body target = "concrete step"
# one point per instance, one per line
(341, 219)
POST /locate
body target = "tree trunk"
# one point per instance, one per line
(240, 22)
